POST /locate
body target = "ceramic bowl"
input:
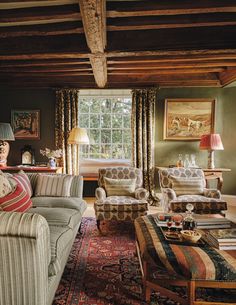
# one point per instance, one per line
(192, 236)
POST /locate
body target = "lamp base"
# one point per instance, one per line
(211, 163)
(4, 151)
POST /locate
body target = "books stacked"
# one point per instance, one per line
(212, 223)
(222, 239)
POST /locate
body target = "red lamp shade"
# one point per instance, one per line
(211, 142)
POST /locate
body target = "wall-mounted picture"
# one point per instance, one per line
(188, 119)
(26, 124)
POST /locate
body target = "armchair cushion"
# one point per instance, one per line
(141, 193)
(187, 185)
(120, 187)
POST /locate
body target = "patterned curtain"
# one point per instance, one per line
(66, 119)
(143, 106)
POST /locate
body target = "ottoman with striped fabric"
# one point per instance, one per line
(189, 266)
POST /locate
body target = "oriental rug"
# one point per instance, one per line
(103, 269)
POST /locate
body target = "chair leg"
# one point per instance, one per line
(98, 224)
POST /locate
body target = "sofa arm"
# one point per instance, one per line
(24, 258)
(100, 193)
(169, 193)
(141, 193)
(212, 193)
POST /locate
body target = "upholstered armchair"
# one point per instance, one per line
(180, 186)
(120, 195)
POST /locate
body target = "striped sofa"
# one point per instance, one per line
(34, 246)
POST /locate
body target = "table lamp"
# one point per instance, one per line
(78, 136)
(6, 134)
(211, 142)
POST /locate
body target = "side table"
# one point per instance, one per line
(216, 173)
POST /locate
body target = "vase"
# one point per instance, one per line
(52, 162)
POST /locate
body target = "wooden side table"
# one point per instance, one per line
(216, 173)
(31, 169)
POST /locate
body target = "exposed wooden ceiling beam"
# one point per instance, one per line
(166, 71)
(227, 77)
(151, 8)
(93, 14)
(42, 15)
(168, 22)
(16, 4)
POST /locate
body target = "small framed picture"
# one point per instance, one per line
(188, 119)
(26, 124)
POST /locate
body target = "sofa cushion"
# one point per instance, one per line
(60, 202)
(24, 181)
(5, 186)
(18, 201)
(120, 187)
(53, 185)
(60, 237)
(59, 216)
(187, 185)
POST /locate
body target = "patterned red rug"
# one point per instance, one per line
(104, 270)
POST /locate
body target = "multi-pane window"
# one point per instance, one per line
(108, 123)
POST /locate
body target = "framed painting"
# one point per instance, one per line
(26, 124)
(188, 119)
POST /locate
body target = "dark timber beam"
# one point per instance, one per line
(227, 77)
(93, 14)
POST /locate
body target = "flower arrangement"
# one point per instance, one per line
(51, 153)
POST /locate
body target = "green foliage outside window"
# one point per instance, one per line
(108, 123)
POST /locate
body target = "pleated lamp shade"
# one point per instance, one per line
(6, 133)
(211, 142)
(78, 136)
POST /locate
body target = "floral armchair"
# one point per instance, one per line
(180, 186)
(116, 206)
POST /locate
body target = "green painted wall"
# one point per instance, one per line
(166, 152)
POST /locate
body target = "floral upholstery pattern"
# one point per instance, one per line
(209, 202)
(120, 207)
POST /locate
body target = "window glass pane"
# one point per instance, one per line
(117, 121)
(117, 152)
(126, 136)
(94, 121)
(105, 136)
(106, 121)
(106, 105)
(84, 120)
(127, 150)
(117, 106)
(116, 136)
(84, 105)
(95, 136)
(126, 121)
(95, 151)
(106, 151)
(95, 106)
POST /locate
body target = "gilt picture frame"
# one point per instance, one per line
(26, 124)
(188, 119)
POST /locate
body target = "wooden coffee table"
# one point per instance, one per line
(184, 265)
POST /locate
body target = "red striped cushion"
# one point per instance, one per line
(18, 201)
(24, 181)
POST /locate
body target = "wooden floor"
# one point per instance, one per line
(230, 214)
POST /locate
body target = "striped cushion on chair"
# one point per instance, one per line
(120, 187)
(18, 200)
(53, 185)
(187, 185)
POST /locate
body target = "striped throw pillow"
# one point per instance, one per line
(18, 201)
(53, 185)
(24, 181)
(187, 185)
(120, 187)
